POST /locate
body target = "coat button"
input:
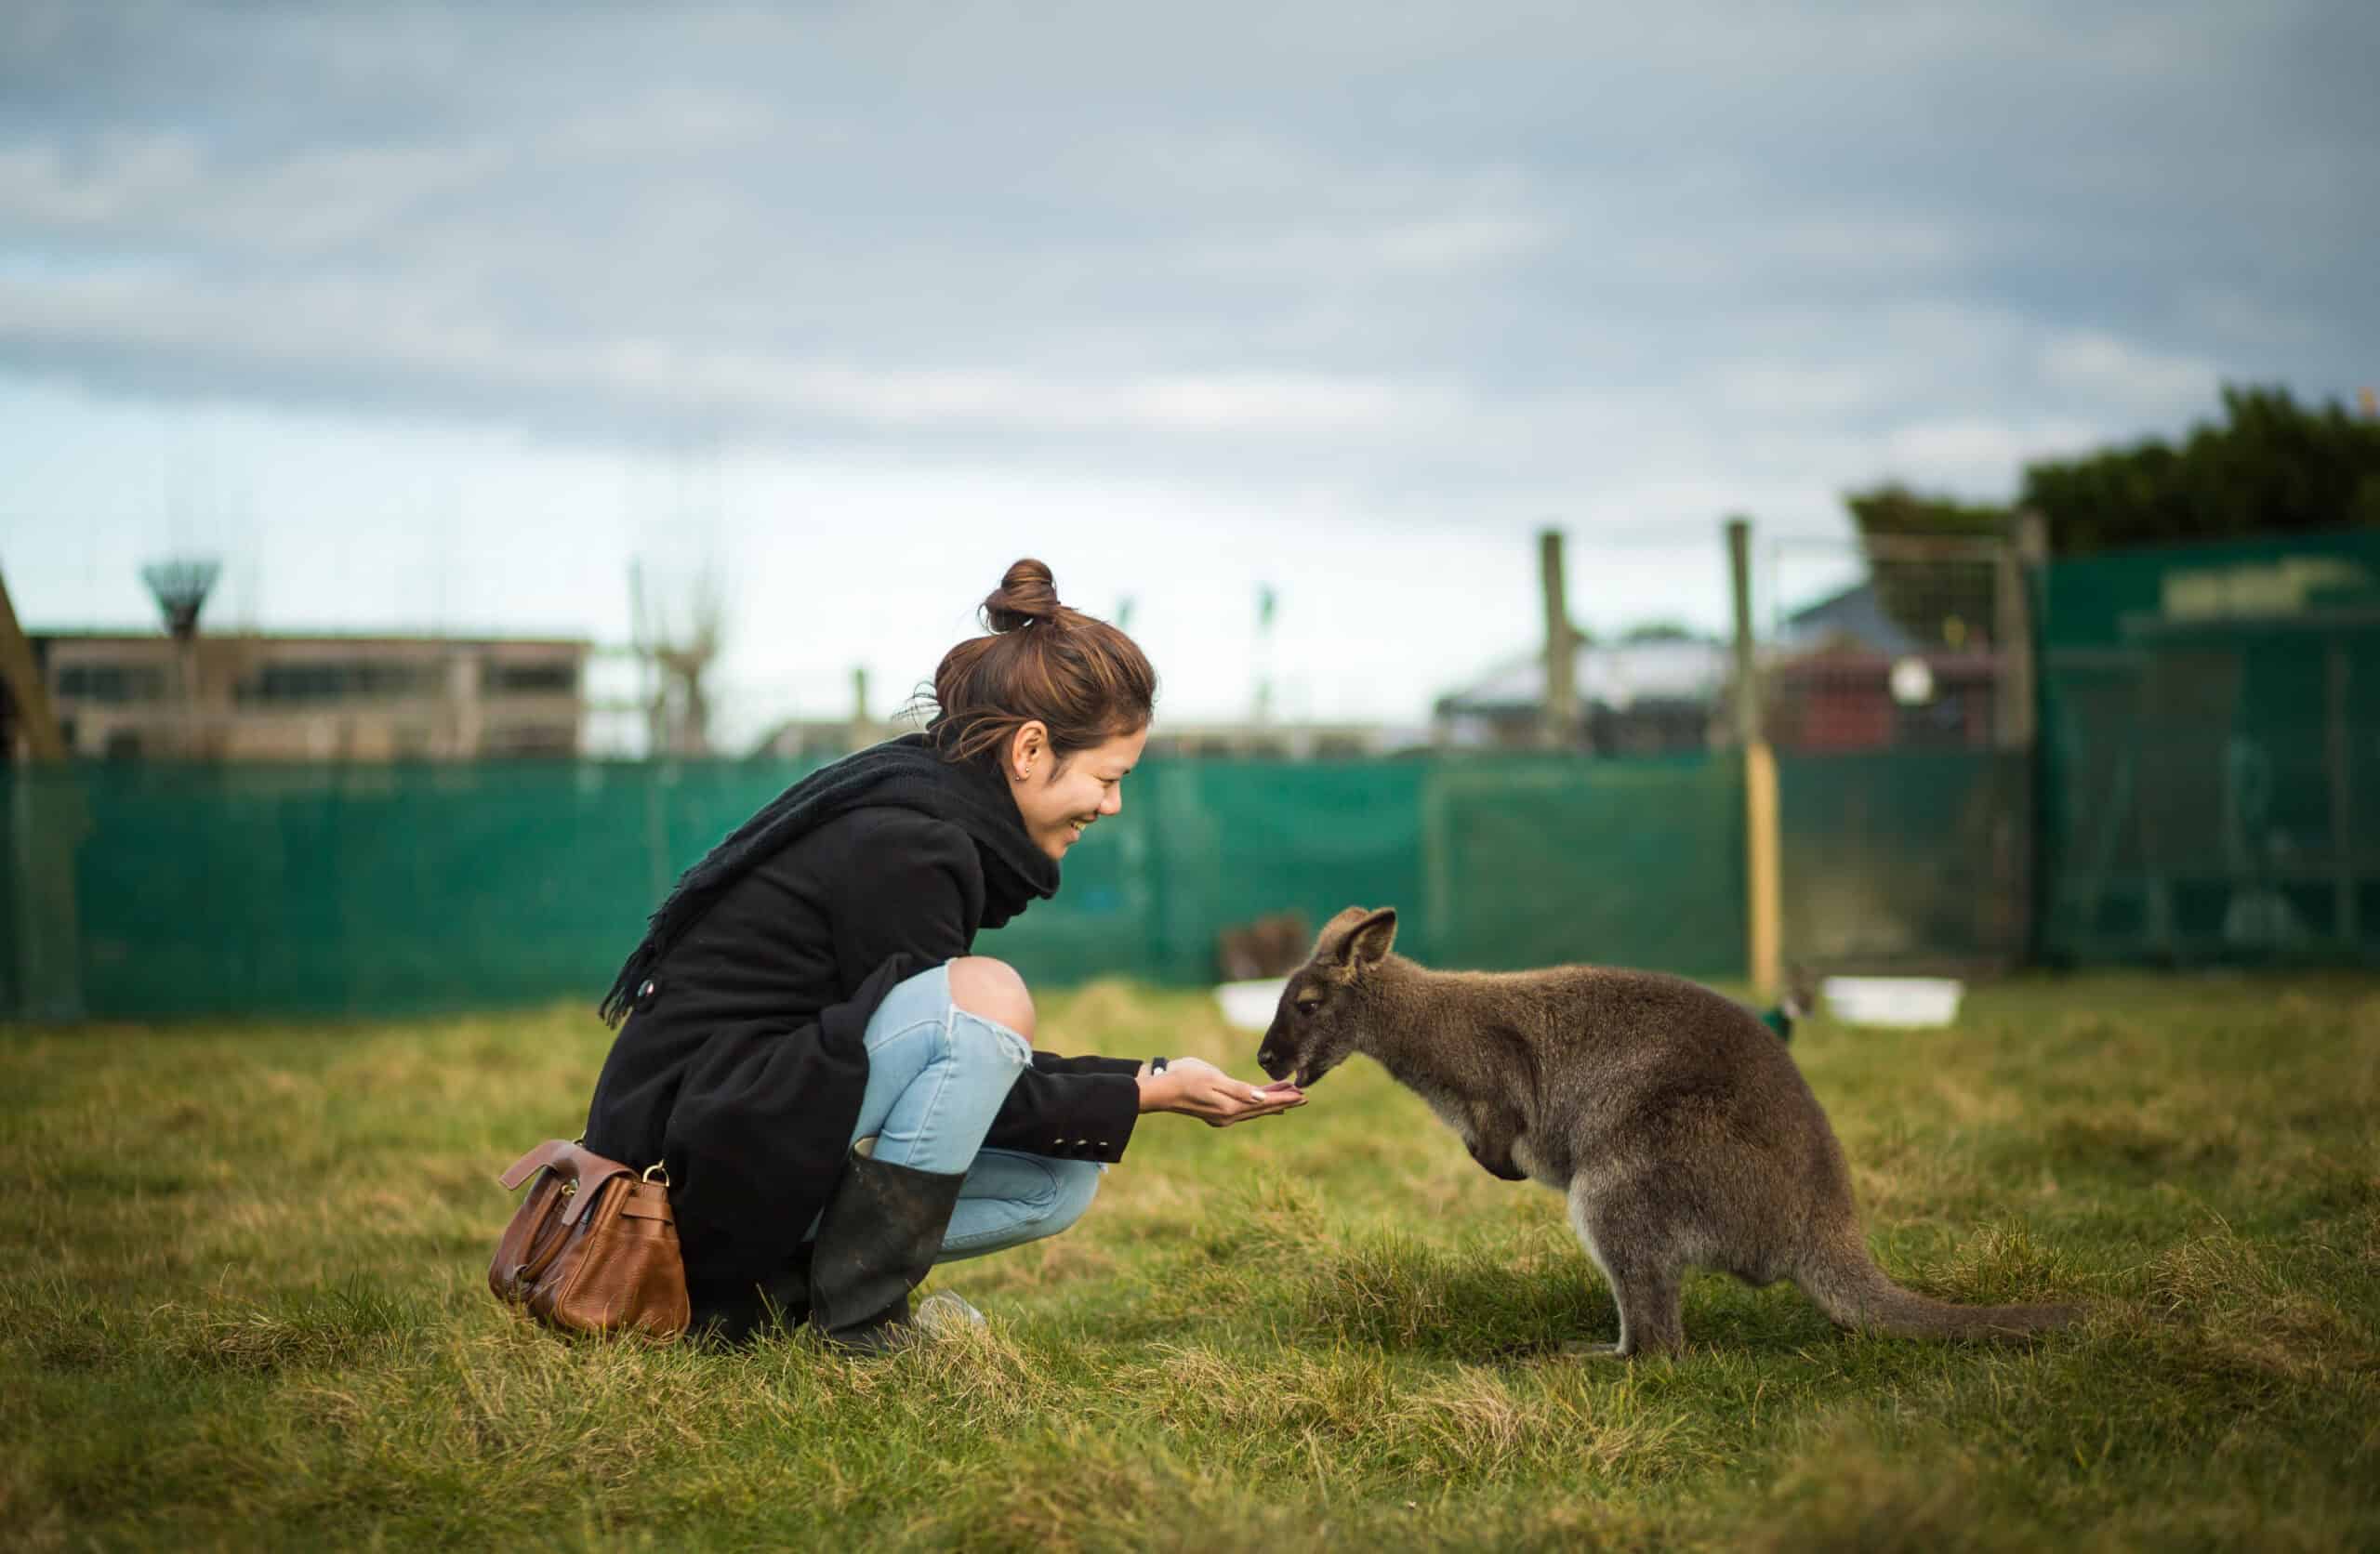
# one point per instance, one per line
(644, 995)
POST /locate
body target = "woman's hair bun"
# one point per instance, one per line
(1078, 677)
(1027, 593)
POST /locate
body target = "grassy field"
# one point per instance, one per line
(245, 1308)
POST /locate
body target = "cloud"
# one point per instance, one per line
(2237, 318)
(1439, 260)
(1965, 453)
(2134, 377)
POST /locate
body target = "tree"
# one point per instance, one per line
(1896, 510)
(2271, 467)
(1661, 631)
(1942, 601)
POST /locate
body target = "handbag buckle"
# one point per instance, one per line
(663, 1177)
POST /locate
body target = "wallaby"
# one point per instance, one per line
(1676, 1122)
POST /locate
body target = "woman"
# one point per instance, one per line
(841, 1094)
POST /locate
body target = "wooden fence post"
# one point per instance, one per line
(1764, 906)
(47, 821)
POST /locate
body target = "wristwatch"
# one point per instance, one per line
(1157, 1065)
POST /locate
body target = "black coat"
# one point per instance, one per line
(743, 1067)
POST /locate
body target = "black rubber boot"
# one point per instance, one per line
(736, 1313)
(875, 1244)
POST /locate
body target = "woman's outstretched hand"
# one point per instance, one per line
(1196, 1088)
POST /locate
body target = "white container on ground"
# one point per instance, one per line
(1906, 1001)
(1249, 1005)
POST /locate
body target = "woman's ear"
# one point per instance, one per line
(1028, 750)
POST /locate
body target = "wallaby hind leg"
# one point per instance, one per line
(1646, 1278)
(1652, 1306)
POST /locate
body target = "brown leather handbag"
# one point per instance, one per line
(593, 1247)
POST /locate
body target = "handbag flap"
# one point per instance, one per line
(534, 1161)
(586, 1172)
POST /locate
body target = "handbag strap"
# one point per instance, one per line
(584, 1172)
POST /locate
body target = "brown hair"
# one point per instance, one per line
(1080, 676)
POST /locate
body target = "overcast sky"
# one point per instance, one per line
(433, 319)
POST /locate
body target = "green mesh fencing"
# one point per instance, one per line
(185, 890)
(1535, 861)
(1202, 846)
(217, 890)
(1902, 858)
(2211, 753)
(2208, 788)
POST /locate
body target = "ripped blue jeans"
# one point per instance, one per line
(936, 1075)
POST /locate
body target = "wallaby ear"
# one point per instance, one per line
(1331, 944)
(1371, 937)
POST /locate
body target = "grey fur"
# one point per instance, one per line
(1678, 1127)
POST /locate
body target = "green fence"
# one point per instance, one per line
(165, 890)
(1906, 859)
(2207, 788)
(2211, 753)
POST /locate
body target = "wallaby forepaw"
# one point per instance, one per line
(1582, 1349)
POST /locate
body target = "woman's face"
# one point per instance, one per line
(1059, 802)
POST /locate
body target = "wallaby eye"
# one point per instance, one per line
(1307, 1005)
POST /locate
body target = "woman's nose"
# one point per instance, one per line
(1114, 803)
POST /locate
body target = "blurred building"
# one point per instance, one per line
(827, 738)
(1635, 698)
(295, 698)
(1282, 740)
(1834, 702)
(1829, 688)
(1828, 685)
(1852, 617)
(821, 738)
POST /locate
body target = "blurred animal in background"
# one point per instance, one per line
(1270, 946)
(1799, 1001)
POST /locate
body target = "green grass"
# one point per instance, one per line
(245, 1308)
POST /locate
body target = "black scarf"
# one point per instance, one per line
(907, 772)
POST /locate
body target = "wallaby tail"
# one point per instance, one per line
(1851, 1289)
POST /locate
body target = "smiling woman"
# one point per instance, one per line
(841, 1095)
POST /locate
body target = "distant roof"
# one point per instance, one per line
(1853, 613)
(339, 639)
(1612, 674)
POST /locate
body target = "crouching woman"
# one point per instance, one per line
(842, 1093)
